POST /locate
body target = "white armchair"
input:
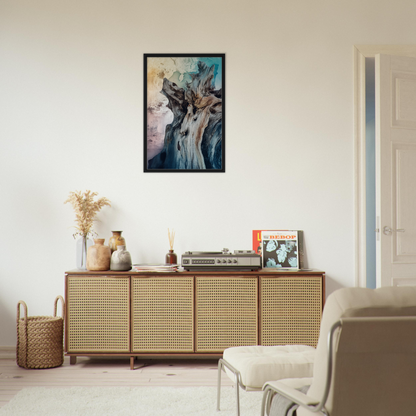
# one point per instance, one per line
(365, 362)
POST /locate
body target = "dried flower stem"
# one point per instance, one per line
(171, 236)
(85, 210)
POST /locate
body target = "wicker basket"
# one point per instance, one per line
(40, 338)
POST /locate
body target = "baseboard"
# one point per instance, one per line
(7, 352)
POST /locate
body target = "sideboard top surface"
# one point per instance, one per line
(262, 272)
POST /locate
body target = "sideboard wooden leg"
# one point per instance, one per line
(131, 363)
(72, 359)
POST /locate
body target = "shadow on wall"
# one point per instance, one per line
(7, 325)
(331, 285)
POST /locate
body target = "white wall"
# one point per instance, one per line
(71, 118)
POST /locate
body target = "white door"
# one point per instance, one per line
(396, 170)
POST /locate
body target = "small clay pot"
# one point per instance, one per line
(121, 259)
(116, 240)
(98, 256)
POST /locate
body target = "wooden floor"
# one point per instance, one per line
(109, 372)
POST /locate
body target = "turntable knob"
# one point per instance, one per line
(225, 250)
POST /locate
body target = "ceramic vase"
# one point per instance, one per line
(82, 246)
(121, 259)
(116, 240)
(171, 258)
(98, 256)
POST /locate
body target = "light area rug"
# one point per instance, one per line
(131, 401)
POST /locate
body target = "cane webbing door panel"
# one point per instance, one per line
(291, 309)
(98, 310)
(226, 312)
(162, 314)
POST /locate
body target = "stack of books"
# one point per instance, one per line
(155, 267)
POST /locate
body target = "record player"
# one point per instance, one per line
(240, 260)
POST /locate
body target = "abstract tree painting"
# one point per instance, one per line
(184, 120)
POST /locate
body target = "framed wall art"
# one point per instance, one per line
(184, 112)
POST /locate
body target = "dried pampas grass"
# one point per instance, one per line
(85, 210)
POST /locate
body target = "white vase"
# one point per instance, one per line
(120, 259)
(81, 252)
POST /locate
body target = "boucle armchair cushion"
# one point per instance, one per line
(259, 364)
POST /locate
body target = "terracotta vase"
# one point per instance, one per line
(116, 240)
(171, 258)
(121, 259)
(98, 256)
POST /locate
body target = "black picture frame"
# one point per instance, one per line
(184, 112)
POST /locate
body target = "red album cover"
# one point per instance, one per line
(257, 241)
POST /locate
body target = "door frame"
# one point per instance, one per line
(360, 53)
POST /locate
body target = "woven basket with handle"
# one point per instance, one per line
(40, 338)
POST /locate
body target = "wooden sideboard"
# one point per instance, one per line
(191, 314)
